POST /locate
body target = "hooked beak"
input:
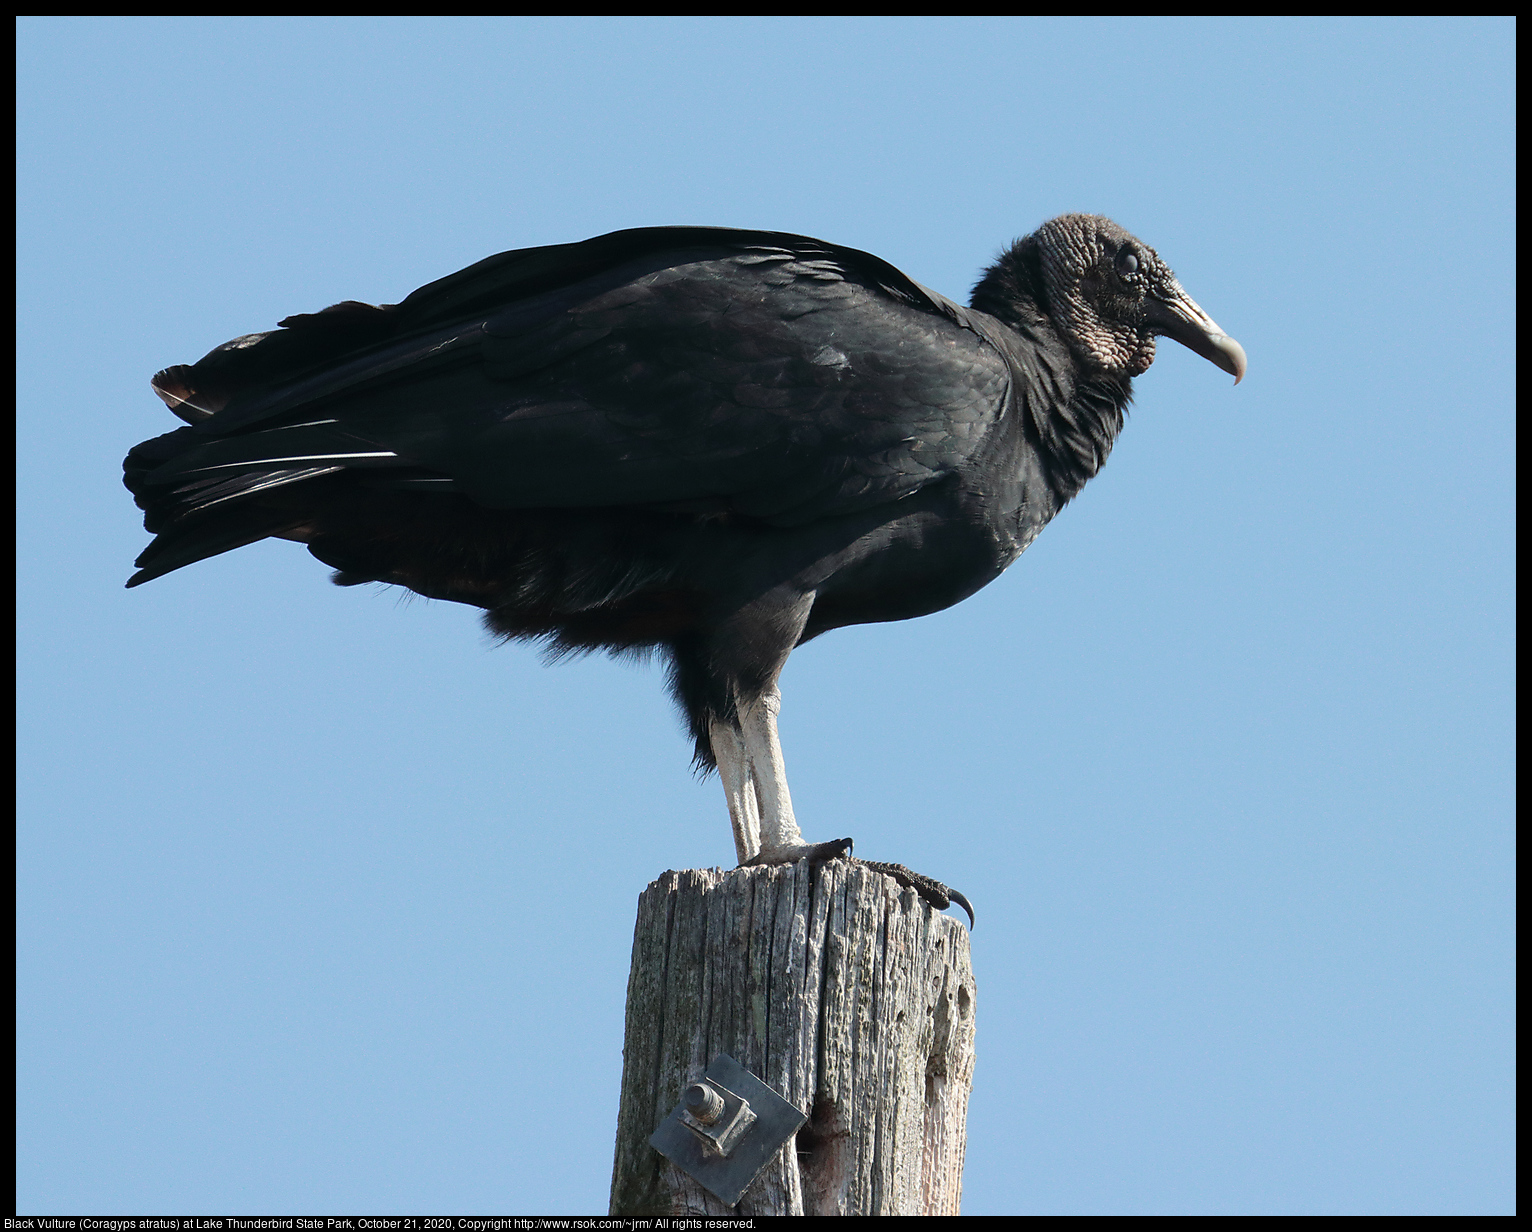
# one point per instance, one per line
(1177, 316)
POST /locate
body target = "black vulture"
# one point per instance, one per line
(709, 442)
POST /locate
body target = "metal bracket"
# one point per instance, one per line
(726, 1129)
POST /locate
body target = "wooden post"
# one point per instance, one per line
(846, 994)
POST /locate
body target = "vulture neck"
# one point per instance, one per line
(1072, 413)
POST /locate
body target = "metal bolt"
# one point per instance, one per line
(703, 1102)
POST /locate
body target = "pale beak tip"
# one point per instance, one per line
(1234, 353)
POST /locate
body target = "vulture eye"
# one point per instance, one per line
(1127, 262)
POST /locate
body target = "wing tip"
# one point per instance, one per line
(175, 390)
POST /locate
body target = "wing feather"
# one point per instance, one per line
(783, 377)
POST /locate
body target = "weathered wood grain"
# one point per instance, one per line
(845, 993)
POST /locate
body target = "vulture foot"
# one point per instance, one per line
(815, 853)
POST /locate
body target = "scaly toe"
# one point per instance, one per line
(934, 892)
(815, 853)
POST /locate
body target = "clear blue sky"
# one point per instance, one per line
(325, 902)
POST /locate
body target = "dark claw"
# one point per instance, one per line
(820, 852)
(964, 904)
(934, 892)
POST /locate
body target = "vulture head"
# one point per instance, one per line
(1111, 296)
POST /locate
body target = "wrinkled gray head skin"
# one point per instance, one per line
(1111, 296)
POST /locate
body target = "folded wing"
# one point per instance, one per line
(751, 373)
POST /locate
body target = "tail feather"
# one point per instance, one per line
(195, 516)
(198, 539)
(206, 490)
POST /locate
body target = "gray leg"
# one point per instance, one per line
(738, 787)
(780, 835)
(768, 830)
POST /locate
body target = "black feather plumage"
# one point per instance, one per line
(712, 443)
